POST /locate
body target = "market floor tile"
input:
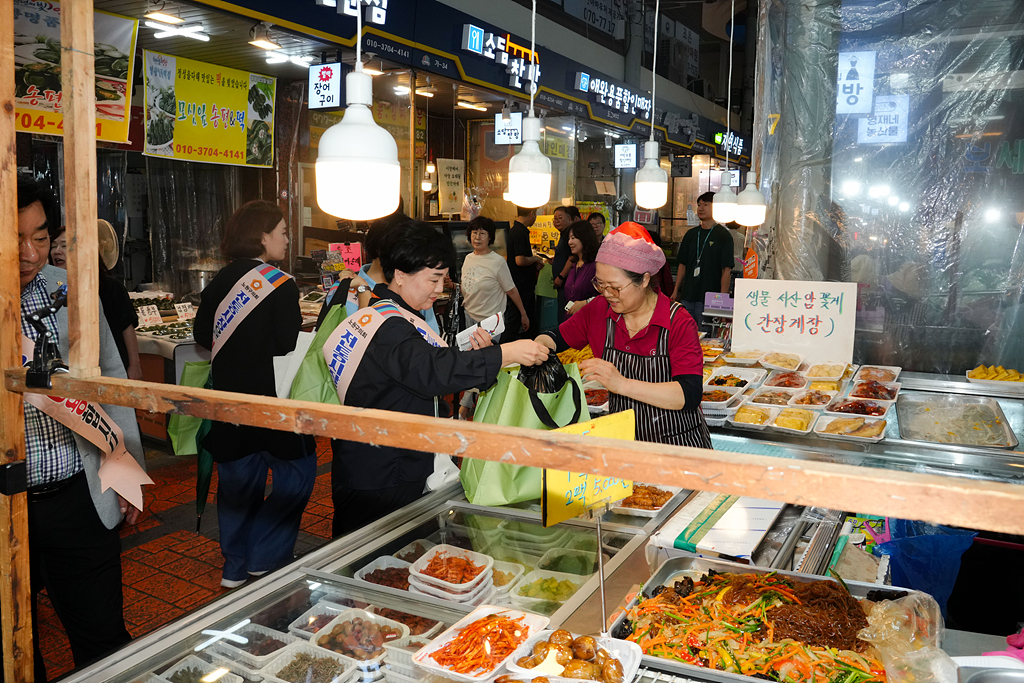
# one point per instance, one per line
(167, 568)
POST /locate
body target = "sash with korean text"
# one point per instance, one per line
(253, 288)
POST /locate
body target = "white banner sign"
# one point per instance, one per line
(325, 86)
(512, 134)
(887, 123)
(625, 156)
(813, 319)
(856, 82)
(451, 184)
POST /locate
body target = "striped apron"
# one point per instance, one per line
(658, 425)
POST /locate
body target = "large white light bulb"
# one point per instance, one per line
(357, 172)
(651, 180)
(529, 171)
(751, 207)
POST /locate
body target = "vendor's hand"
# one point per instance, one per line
(135, 372)
(130, 512)
(524, 352)
(576, 307)
(479, 339)
(604, 372)
(526, 321)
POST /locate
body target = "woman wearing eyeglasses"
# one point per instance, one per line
(650, 357)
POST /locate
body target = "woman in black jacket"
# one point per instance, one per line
(248, 315)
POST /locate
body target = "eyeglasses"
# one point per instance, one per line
(602, 287)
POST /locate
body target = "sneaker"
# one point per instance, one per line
(256, 574)
(232, 583)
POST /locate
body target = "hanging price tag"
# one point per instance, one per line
(185, 311)
(149, 315)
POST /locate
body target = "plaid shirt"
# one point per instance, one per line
(49, 446)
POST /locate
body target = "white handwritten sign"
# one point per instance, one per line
(149, 315)
(511, 134)
(451, 184)
(856, 82)
(887, 123)
(625, 156)
(185, 311)
(814, 319)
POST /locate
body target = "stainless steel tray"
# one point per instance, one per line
(692, 563)
(906, 402)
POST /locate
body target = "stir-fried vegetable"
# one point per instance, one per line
(482, 645)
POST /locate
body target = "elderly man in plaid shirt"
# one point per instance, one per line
(74, 544)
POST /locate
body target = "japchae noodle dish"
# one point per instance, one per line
(761, 625)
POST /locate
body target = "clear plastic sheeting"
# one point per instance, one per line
(891, 149)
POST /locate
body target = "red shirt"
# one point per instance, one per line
(589, 325)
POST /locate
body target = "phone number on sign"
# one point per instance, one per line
(386, 47)
(208, 151)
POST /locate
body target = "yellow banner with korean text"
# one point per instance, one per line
(203, 112)
(39, 95)
(570, 494)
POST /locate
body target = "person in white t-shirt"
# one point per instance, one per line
(486, 279)
(486, 282)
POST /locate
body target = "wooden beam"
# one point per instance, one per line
(78, 80)
(909, 495)
(15, 585)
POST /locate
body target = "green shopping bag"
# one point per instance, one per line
(183, 429)
(313, 380)
(509, 402)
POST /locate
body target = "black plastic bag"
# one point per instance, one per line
(546, 378)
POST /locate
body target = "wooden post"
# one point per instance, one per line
(78, 79)
(15, 588)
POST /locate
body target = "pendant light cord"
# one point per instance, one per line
(654, 64)
(359, 35)
(728, 90)
(533, 54)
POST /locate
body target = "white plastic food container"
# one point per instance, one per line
(752, 375)
(628, 654)
(828, 378)
(428, 634)
(417, 586)
(865, 369)
(719, 405)
(772, 414)
(533, 623)
(821, 406)
(880, 401)
(193, 662)
(422, 543)
(825, 420)
(403, 632)
(345, 665)
(620, 509)
(301, 627)
(531, 603)
(416, 570)
(733, 360)
(400, 652)
(772, 366)
(788, 430)
(382, 562)
(514, 568)
(830, 408)
(255, 662)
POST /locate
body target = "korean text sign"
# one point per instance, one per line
(39, 96)
(203, 112)
(451, 184)
(814, 319)
(570, 494)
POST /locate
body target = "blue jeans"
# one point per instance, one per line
(696, 311)
(258, 534)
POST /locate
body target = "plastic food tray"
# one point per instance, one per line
(752, 401)
(191, 662)
(772, 366)
(422, 542)
(770, 382)
(551, 555)
(476, 558)
(230, 660)
(514, 556)
(393, 675)
(773, 412)
(345, 665)
(417, 586)
(403, 632)
(300, 627)
(831, 397)
(907, 402)
(637, 512)
(881, 404)
(532, 622)
(719, 405)
(893, 368)
(827, 378)
(752, 375)
(741, 361)
(382, 562)
(824, 421)
(400, 652)
(787, 430)
(251, 661)
(516, 569)
(527, 602)
(879, 401)
(428, 634)
(629, 655)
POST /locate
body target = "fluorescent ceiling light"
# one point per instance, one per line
(372, 72)
(277, 59)
(401, 90)
(472, 105)
(194, 30)
(164, 17)
(300, 61)
(424, 93)
(404, 90)
(260, 34)
(264, 44)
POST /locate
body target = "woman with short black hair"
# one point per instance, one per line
(248, 314)
(386, 357)
(486, 280)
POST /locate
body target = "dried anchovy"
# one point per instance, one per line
(324, 669)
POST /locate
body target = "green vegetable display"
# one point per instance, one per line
(261, 103)
(571, 564)
(45, 74)
(160, 131)
(549, 589)
(259, 144)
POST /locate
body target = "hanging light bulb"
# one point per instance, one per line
(723, 209)
(506, 114)
(751, 207)
(426, 184)
(529, 171)
(651, 180)
(431, 166)
(357, 172)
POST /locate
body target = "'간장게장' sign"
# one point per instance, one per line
(203, 112)
(814, 319)
(570, 494)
